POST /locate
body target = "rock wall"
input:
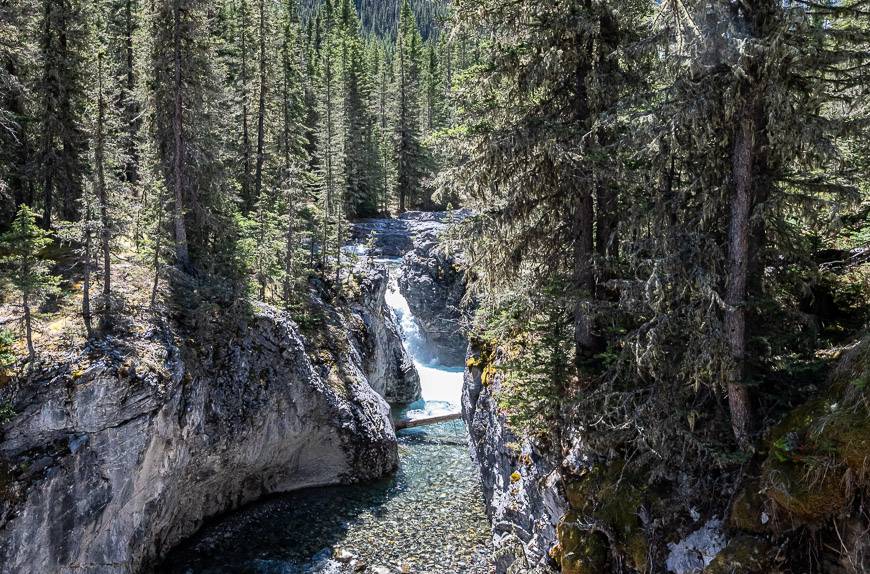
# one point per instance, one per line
(521, 481)
(433, 282)
(118, 453)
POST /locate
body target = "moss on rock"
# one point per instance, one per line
(580, 551)
(611, 497)
(747, 508)
(821, 451)
(742, 555)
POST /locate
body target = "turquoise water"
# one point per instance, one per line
(428, 518)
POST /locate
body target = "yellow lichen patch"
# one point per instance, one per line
(515, 476)
(489, 372)
(743, 555)
(474, 361)
(580, 551)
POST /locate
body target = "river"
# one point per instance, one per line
(428, 518)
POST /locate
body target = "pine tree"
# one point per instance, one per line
(187, 126)
(292, 143)
(16, 146)
(361, 162)
(330, 148)
(25, 267)
(770, 69)
(122, 23)
(538, 166)
(434, 90)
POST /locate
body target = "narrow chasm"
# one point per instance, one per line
(429, 517)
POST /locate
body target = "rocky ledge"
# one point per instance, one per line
(118, 452)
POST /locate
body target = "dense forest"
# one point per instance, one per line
(666, 247)
(232, 138)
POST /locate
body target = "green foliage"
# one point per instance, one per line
(24, 264)
(7, 353)
(534, 363)
(7, 413)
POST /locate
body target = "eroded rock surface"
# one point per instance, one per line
(386, 362)
(123, 449)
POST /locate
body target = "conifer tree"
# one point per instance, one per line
(292, 142)
(409, 150)
(63, 37)
(25, 267)
(330, 148)
(16, 145)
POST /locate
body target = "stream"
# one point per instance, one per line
(428, 518)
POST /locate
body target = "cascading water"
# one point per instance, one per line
(441, 384)
(428, 518)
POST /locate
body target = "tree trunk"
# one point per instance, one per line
(738, 266)
(291, 208)
(48, 158)
(128, 101)
(402, 127)
(583, 222)
(181, 252)
(28, 329)
(261, 112)
(288, 257)
(86, 280)
(583, 277)
(99, 153)
(20, 182)
(247, 199)
(158, 245)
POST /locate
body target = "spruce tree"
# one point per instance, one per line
(26, 269)
(63, 37)
(409, 150)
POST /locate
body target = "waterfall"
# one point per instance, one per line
(441, 384)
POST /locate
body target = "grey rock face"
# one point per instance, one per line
(391, 237)
(521, 482)
(119, 453)
(433, 282)
(387, 365)
(694, 552)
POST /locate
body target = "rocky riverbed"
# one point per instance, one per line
(427, 518)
